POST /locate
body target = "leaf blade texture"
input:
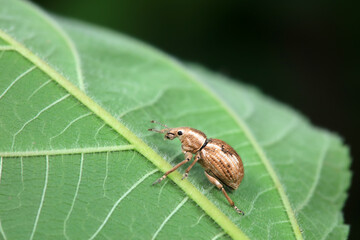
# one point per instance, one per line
(77, 160)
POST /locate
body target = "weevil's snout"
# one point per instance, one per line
(170, 133)
(170, 136)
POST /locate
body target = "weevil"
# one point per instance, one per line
(222, 164)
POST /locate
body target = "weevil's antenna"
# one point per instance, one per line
(159, 123)
(155, 130)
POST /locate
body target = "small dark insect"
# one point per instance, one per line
(221, 162)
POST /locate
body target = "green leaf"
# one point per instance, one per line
(77, 161)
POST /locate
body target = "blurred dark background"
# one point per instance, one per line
(303, 53)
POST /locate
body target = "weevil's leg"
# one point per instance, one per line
(188, 157)
(186, 174)
(220, 186)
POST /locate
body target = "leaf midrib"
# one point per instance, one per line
(214, 212)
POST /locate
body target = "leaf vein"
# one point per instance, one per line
(2, 231)
(69, 125)
(282, 134)
(65, 37)
(36, 116)
(218, 235)
(22, 171)
(258, 195)
(75, 195)
(7, 48)
(317, 174)
(68, 151)
(42, 198)
(335, 223)
(144, 105)
(38, 89)
(120, 199)
(169, 216)
(98, 131)
(272, 224)
(17, 79)
(106, 170)
(198, 221)
(1, 167)
(160, 192)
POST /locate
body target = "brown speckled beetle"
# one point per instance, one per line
(221, 162)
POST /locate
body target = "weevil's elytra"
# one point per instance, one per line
(221, 162)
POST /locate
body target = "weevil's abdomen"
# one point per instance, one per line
(222, 161)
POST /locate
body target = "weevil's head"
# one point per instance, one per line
(191, 139)
(170, 133)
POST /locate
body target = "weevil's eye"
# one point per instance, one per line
(180, 132)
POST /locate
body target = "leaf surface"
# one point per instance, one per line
(77, 160)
